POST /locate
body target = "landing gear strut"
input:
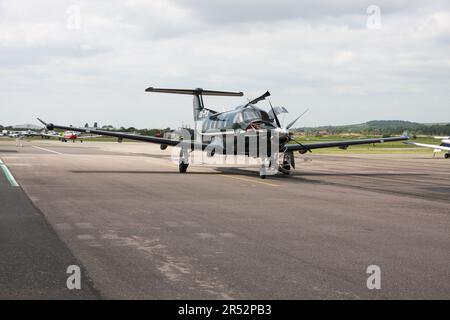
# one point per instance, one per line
(268, 166)
(288, 162)
(265, 164)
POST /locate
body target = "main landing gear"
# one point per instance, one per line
(183, 167)
(447, 155)
(268, 166)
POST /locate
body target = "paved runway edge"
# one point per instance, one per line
(33, 260)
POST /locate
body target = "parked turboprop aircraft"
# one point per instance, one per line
(250, 129)
(445, 145)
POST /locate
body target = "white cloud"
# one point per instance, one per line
(317, 55)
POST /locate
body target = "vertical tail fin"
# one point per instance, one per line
(198, 106)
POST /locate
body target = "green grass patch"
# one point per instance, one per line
(377, 148)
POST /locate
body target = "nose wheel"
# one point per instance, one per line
(285, 168)
(183, 167)
(184, 160)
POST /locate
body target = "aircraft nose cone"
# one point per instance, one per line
(283, 135)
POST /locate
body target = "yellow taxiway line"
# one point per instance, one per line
(250, 180)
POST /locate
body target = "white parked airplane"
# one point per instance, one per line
(445, 145)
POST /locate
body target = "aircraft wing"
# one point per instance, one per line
(343, 144)
(425, 145)
(124, 135)
(89, 137)
(50, 135)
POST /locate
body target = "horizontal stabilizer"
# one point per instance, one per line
(198, 91)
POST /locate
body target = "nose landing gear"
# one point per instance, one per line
(287, 163)
(184, 160)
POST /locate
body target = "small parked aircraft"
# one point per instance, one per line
(444, 146)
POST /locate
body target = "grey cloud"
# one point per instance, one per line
(222, 11)
(317, 55)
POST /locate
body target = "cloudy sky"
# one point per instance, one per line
(72, 62)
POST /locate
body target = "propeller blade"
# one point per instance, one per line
(275, 115)
(295, 120)
(300, 144)
(42, 122)
(262, 97)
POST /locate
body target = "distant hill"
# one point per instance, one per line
(384, 127)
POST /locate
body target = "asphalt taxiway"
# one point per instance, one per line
(139, 229)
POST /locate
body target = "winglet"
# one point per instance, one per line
(405, 134)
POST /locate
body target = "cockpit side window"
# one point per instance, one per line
(265, 116)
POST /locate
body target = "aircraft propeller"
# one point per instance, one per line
(277, 121)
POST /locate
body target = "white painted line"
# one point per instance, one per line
(227, 235)
(63, 226)
(206, 235)
(84, 225)
(8, 175)
(85, 237)
(45, 149)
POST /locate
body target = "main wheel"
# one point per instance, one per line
(285, 168)
(447, 155)
(183, 167)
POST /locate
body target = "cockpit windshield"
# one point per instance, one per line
(251, 115)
